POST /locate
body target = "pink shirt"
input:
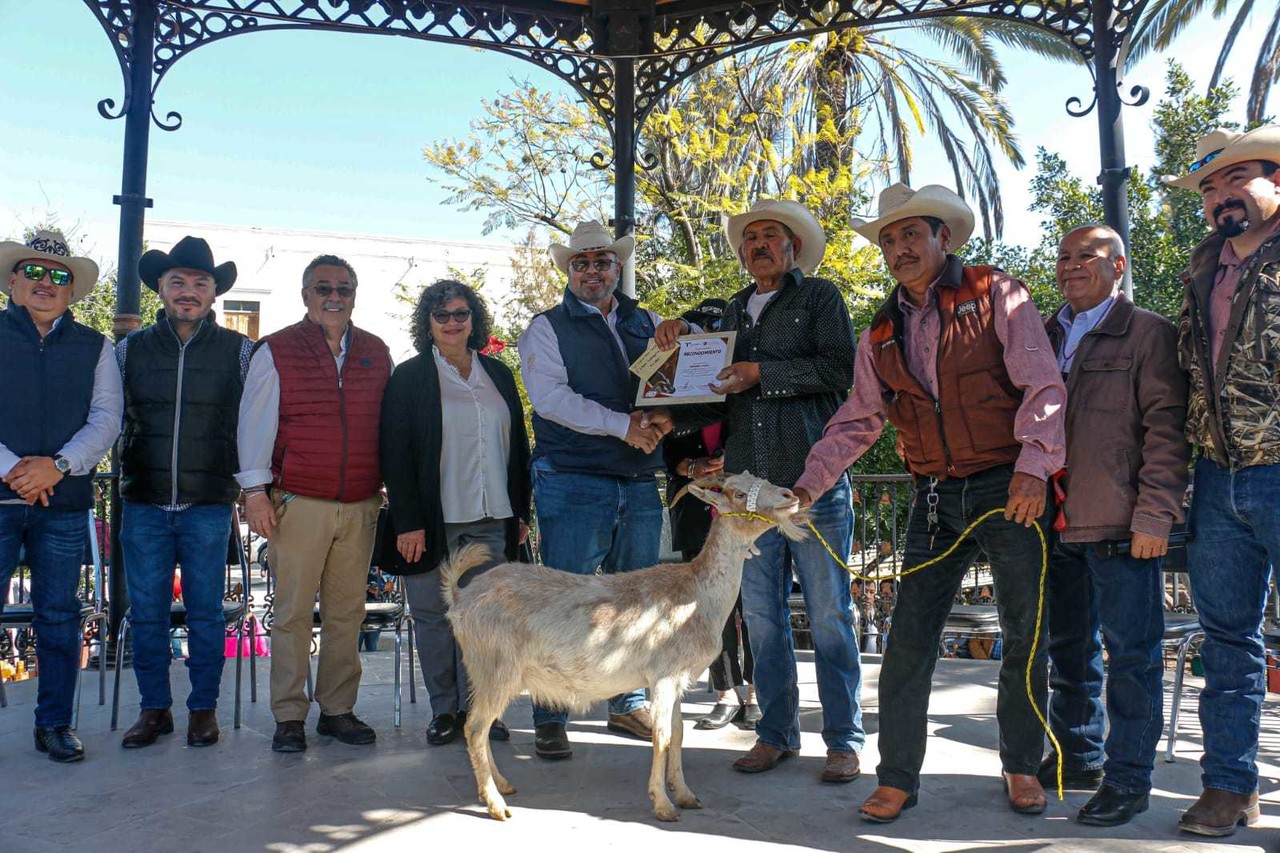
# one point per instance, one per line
(1230, 268)
(1028, 357)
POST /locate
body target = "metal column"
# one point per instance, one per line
(624, 161)
(1114, 176)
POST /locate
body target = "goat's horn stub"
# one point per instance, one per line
(713, 483)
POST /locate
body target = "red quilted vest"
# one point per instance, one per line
(327, 440)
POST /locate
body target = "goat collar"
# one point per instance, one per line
(753, 495)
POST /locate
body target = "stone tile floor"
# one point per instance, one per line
(403, 795)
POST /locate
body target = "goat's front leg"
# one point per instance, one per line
(685, 798)
(663, 696)
(489, 782)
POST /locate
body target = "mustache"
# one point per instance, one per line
(338, 305)
(1228, 205)
(905, 259)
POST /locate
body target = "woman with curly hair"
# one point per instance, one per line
(455, 459)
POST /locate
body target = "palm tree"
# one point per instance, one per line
(1164, 20)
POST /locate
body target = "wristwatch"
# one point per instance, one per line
(63, 464)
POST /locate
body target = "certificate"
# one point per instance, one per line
(684, 374)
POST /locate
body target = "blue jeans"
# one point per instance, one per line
(1118, 599)
(593, 524)
(154, 541)
(1235, 538)
(54, 540)
(766, 585)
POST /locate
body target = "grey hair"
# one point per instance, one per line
(328, 261)
(1115, 245)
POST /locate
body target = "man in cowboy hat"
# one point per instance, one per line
(1229, 342)
(183, 377)
(309, 419)
(593, 463)
(793, 365)
(60, 416)
(958, 360)
(1126, 477)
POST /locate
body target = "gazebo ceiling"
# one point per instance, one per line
(579, 40)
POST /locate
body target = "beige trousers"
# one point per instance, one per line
(319, 546)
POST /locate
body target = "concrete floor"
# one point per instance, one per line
(403, 795)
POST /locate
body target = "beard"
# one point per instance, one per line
(1231, 227)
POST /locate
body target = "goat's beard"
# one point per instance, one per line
(795, 526)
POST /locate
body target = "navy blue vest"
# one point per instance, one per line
(48, 389)
(598, 372)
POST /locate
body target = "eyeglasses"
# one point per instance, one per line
(1204, 161)
(326, 290)
(37, 272)
(600, 265)
(462, 315)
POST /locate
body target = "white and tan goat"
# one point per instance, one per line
(571, 639)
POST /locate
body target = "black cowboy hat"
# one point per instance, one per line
(707, 311)
(190, 253)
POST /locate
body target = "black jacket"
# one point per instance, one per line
(411, 437)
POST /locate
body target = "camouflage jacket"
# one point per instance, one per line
(1233, 410)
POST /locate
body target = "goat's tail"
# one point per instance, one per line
(459, 563)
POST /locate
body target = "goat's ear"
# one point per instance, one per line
(704, 491)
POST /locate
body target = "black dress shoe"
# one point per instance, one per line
(1110, 807)
(347, 728)
(152, 722)
(291, 736)
(1072, 779)
(444, 728)
(61, 743)
(751, 715)
(499, 731)
(721, 715)
(202, 728)
(551, 742)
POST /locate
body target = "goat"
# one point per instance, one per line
(573, 639)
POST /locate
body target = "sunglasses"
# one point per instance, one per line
(1204, 161)
(462, 315)
(37, 272)
(602, 265)
(326, 290)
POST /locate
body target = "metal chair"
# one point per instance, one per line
(1181, 632)
(92, 612)
(234, 613)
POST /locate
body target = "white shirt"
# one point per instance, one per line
(260, 414)
(546, 379)
(756, 303)
(91, 442)
(1077, 326)
(475, 444)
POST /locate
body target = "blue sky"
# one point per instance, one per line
(322, 131)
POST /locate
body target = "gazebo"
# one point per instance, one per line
(619, 55)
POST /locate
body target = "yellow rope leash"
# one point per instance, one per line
(1035, 643)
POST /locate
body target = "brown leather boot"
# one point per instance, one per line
(1218, 813)
(152, 722)
(202, 728)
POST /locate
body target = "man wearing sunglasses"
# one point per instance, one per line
(1229, 342)
(309, 467)
(183, 377)
(594, 464)
(61, 414)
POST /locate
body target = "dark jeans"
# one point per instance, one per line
(156, 540)
(1120, 600)
(54, 541)
(924, 600)
(1235, 539)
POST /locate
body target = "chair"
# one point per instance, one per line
(92, 611)
(234, 613)
(380, 615)
(1181, 632)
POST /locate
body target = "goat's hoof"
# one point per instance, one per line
(688, 800)
(499, 812)
(505, 788)
(666, 812)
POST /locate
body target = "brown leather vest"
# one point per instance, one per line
(969, 428)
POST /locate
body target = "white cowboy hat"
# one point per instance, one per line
(794, 215)
(591, 236)
(1224, 148)
(48, 246)
(899, 201)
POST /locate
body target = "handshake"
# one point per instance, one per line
(647, 428)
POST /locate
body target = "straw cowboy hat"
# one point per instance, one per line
(48, 246)
(900, 202)
(190, 253)
(1224, 148)
(794, 215)
(591, 236)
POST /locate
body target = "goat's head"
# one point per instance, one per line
(753, 504)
